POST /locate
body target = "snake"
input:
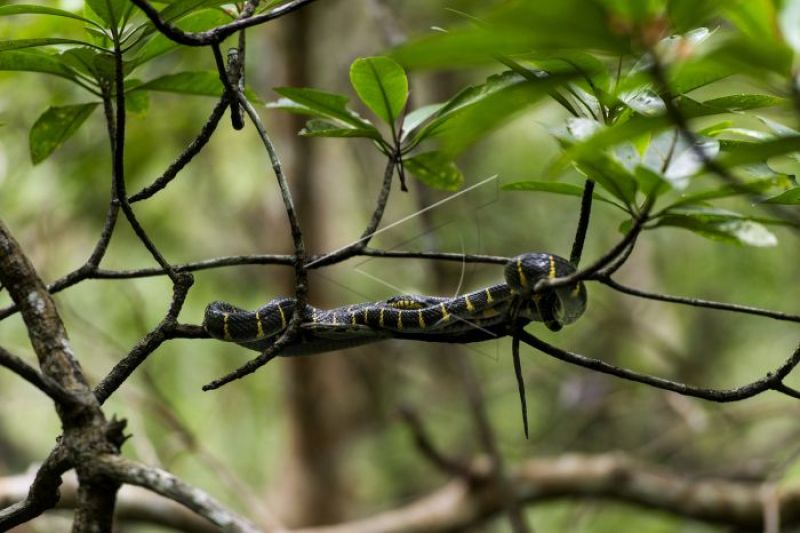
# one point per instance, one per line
(480, 315)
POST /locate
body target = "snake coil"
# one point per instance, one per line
(479, 315)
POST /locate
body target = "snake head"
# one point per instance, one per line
(556, 306)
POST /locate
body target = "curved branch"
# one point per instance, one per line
(772, 381)
(697, 302)
(123, 369)
(34, 377)
(583, 223)
(621, 249)
(169, 486)
(218, 34)
(187, 155)
(40, 495)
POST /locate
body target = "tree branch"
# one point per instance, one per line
(187, 155)
(169, 486)
(461, 505)
(42, 492)
(34, 377)
(123, 369)
(697, 302)
(771, 381)
(583, 223)
(218, 34)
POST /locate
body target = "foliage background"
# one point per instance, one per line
(233, 442)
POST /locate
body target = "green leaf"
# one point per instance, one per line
(691, 75)
(756, 152)
(687, 14)
(382, 85)
(609, 174)
(181, 8)
(790, 197)
(517, 28)
(198, 83)
(318, 104)
(55, 126)
(651, 183)
(756, 186)
(718, 224)
(30, 9)
(436, 170)
(476, 111)
(98, 64)
(137, 102)
(323, 128)
(204, 83)
(34, 61)
(110, 11)
(566, 189)
(34, 43)
(728, 104)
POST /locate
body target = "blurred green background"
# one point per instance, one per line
(248, 442)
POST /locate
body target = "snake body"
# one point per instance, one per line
(476, 316)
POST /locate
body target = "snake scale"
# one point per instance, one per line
(476, 316)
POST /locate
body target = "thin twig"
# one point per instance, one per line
(45, 384)
(360, 245)
(772, 381)
(697, 302)
(301, 276)
(428, 449)
(124, 368)
(187, 155)
(118, 165)
(583, 223)
(42, 494)
(606, 259)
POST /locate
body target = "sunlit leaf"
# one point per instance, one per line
(417, 117)
(644, 101)
(671, 156)
(720, 225)
(381, 84)
(436, 170)
(789, 20)
(55, 126)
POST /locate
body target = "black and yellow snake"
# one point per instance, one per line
(476, 316)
